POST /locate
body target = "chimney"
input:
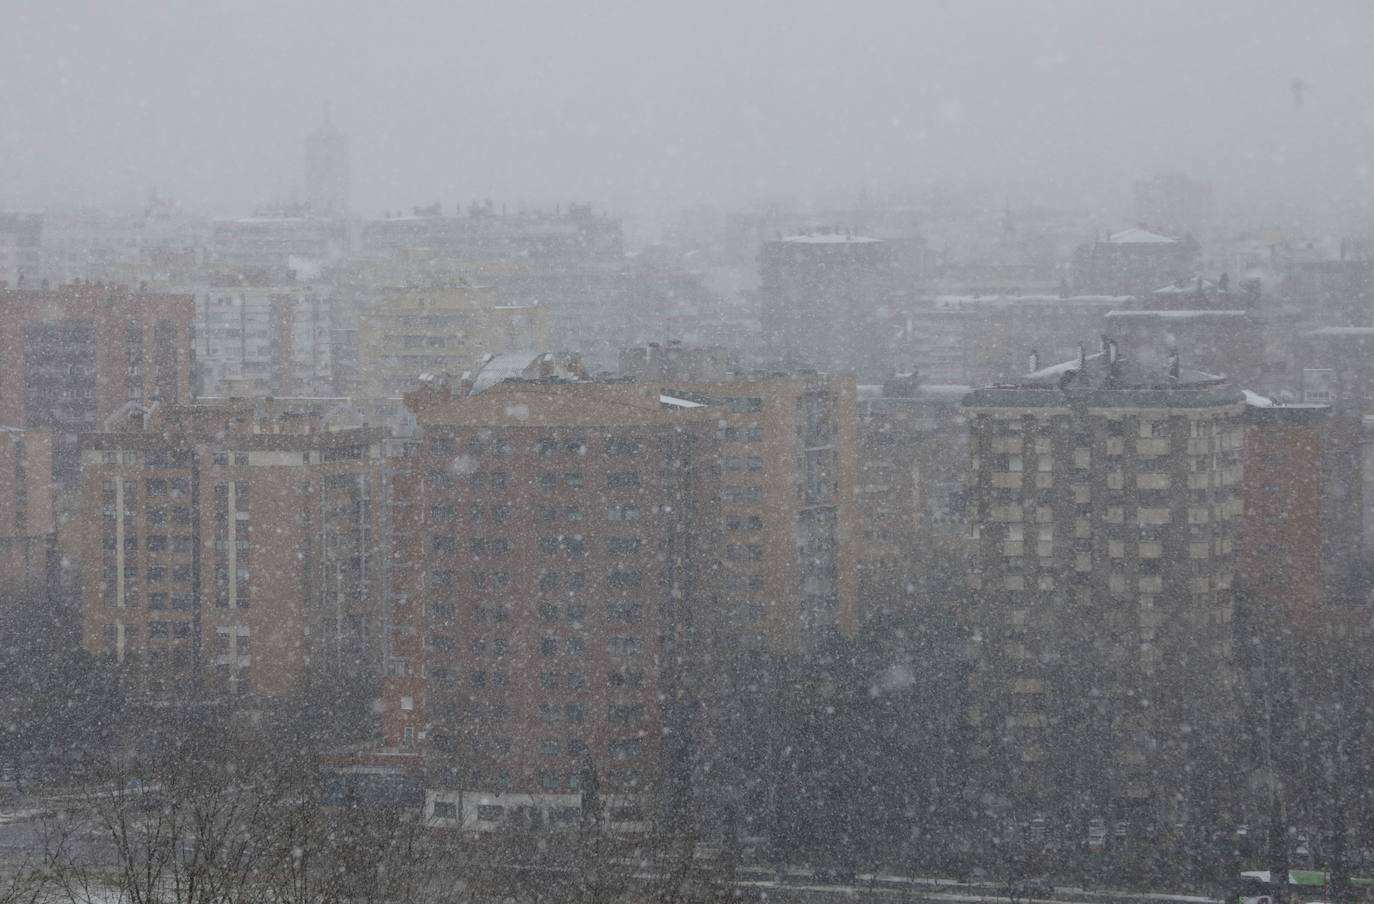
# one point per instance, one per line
(1105, 342)
(1111, 352)
(1034, 361)
(1082, 357)
(1173, 363)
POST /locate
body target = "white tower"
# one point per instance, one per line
(326, 170)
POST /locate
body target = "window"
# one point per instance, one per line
(624, 679)
(624, 613)
(625, 712)
(625, 579)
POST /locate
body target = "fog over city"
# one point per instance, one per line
(651, 107)
(703, 453)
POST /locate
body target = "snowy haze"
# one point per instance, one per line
(645, 107)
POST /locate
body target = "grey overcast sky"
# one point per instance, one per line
(647, 106)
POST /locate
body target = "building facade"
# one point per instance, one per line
(445, 327)
(27, 538)
(237, 543)
(73, 356)
(825, 301)
(1106, 499)
(554, 576)
(269, 340)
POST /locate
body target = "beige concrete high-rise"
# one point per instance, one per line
(1106, 500)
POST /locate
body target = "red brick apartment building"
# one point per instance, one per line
(241, 540)
(26, 515)
(71, 357)
(553, 586)
(789, 452)
(1298, 548)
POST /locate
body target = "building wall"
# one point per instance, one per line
(242, 556)
(1103, 584)
(912, 495)
(276, 341)
(26, 504)
(824, 302)
(789, 460)
(406, 332)
(554, 545)
(1281, 550)
(73, 356)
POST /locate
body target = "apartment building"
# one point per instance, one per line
(26, 505)
(73, 356)
(235, 542)
(789, 505)
(440, 327)
(555, 556)
(264, 340)
(825, 299)
(912, 491)
(1300, 546)
(1105, 500)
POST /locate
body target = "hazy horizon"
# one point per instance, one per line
(645, 109)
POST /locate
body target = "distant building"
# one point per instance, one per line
(983, 339)
(327, 174)
(1339, 292)
(265, 340)
(1174, 204)
(1134, 262)
(73, 356)
(826, 301)
(1335, 365)
(674, 361)
(21, 250)
(275, 247)
(912, 490)
(554, 577)
(1229, 343)
(1106, 505)
(440, 327)
(235, 543)
(486, 238)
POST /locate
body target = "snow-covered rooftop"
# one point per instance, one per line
(1342, 331)
(1177, 315)
(1140, 237)
(675, 402)
(505, 366)
(830, 238)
